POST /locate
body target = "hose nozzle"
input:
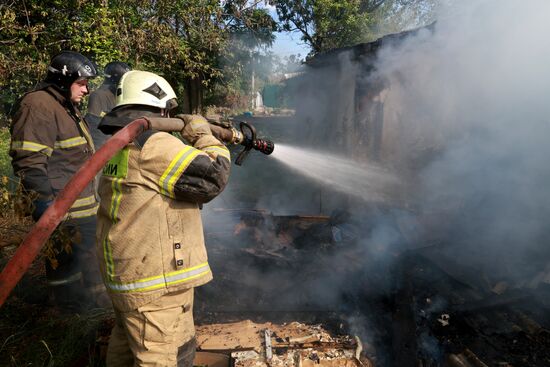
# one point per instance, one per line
(263, 145)
(251, 142)
(245, 136)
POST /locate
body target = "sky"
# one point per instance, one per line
(287, 43)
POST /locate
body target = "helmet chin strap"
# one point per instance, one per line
(165, 112)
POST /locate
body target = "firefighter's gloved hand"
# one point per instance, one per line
(196, 127)
(40, 207)
(238, 136)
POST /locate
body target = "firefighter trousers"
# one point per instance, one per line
(158, 334)
(72, 270)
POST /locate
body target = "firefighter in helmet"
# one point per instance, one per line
(102, 100)
(150, 238)
(49, 143)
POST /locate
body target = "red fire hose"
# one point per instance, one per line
(37, 237)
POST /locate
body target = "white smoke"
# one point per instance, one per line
(475, 93)
(466, 113)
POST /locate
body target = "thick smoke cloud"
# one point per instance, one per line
(475, 91)
(466, 126)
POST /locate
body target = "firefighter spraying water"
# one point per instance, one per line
(54, 214)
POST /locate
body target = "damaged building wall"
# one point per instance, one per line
(351, 110)
(463, 120)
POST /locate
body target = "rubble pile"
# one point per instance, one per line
(410, 304)
(269, 263)
(294, 344)
(445, 313)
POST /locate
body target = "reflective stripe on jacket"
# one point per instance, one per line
(150, 236)
(50, 142)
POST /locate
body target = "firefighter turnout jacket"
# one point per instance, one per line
(100, 103)
(50, 142)
(150, 236)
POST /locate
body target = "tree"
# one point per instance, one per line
(249, 31)
(32, 31)
(397, 15)
(184, 40)
(329, 24)
(325, 24)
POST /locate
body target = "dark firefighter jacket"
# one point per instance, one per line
(50, 142)
(100, 103)
(150, 235)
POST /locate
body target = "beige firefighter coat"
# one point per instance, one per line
(149, 235)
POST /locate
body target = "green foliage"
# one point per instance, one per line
(339, 24)
(250, 32)
(184, 40)
(330, 24)
(94, 31)
(5, 160)
(395, 16)
(33, 31)
(204, 48)
(250, 25)
(326, 24)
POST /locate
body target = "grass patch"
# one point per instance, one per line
(34, 335)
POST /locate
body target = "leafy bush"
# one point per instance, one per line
(5, 160)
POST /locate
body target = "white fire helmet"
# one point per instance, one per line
(144, 88)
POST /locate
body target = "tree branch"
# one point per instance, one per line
(371, 5)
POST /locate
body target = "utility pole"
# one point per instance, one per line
(253, 94)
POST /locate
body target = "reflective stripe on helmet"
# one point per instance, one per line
(67, 67)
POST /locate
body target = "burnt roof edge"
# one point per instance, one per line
(363, 49)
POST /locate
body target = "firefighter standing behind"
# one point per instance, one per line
(150, 237)
(50, 142)
(102, 100)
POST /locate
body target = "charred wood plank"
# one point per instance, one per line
(466, 275)
(495, 300)
(404, 343)
(465, 359)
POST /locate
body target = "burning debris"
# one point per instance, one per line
(285, 262)
(425, 308)
(288, 345)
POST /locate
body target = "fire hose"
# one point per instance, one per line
(39, 234)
